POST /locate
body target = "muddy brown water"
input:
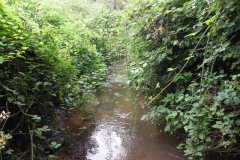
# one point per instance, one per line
(116, 131)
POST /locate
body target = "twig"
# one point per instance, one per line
(31, 137)
(153, 99)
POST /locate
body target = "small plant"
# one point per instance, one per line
(55, 145)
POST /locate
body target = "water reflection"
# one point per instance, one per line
(119, 132)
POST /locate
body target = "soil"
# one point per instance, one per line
(75, 151)
(74, 146)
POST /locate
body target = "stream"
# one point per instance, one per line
(115, 131)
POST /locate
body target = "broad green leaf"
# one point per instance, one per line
(200, 135)
(38, 83)
(234, 77)
(21, 98)
(175, 42)
(199, 148)
(9, 151)
(167, 128)
(199, 154)
(236, 100)
(24, 48)
(53, 143)
(173, 114)
(10, 99)
(45, 127)
(237, 122)
(210, 22)
(231, 24)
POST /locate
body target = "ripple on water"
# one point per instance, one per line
(121, 135)
(118, 132)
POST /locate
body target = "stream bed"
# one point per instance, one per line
(115, 131)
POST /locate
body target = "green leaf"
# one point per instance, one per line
(10, 99)
(189, 58)
(167, 128)
(53, 143)
(1, 60)
(144, 65)
(173, 114)
(21, 98)
(162, 109)
(175, 42)
(236, 100)
(231, 24)
(24, 48)
(199, 154)
(35, 117)
(200, 135)
(8, 89)
(8, 136)
(38, 83)
(157, 86)
(166, 12)
(37, 131)
(171, 69)
(210, 22)
(234, 77)
(144, 117)
(185, 121)
(45, 129)
(51, 156)
(199, 148)
(46, 83)
(191, 34)
(237, 122)
(9, 152)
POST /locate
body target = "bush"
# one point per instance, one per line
(185, 55)
(45, 59)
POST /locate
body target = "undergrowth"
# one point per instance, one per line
(47, 65)
(185, 55)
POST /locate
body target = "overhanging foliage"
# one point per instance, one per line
(46, 59)
(185, 55)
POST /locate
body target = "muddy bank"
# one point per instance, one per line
(78, 125)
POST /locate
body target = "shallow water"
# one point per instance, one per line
(121, 135)
(116, 131)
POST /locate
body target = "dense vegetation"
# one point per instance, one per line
(184, 54)
(48, 63)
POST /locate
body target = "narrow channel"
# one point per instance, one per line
(116, 132)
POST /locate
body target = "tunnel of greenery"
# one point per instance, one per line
(184, 55)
